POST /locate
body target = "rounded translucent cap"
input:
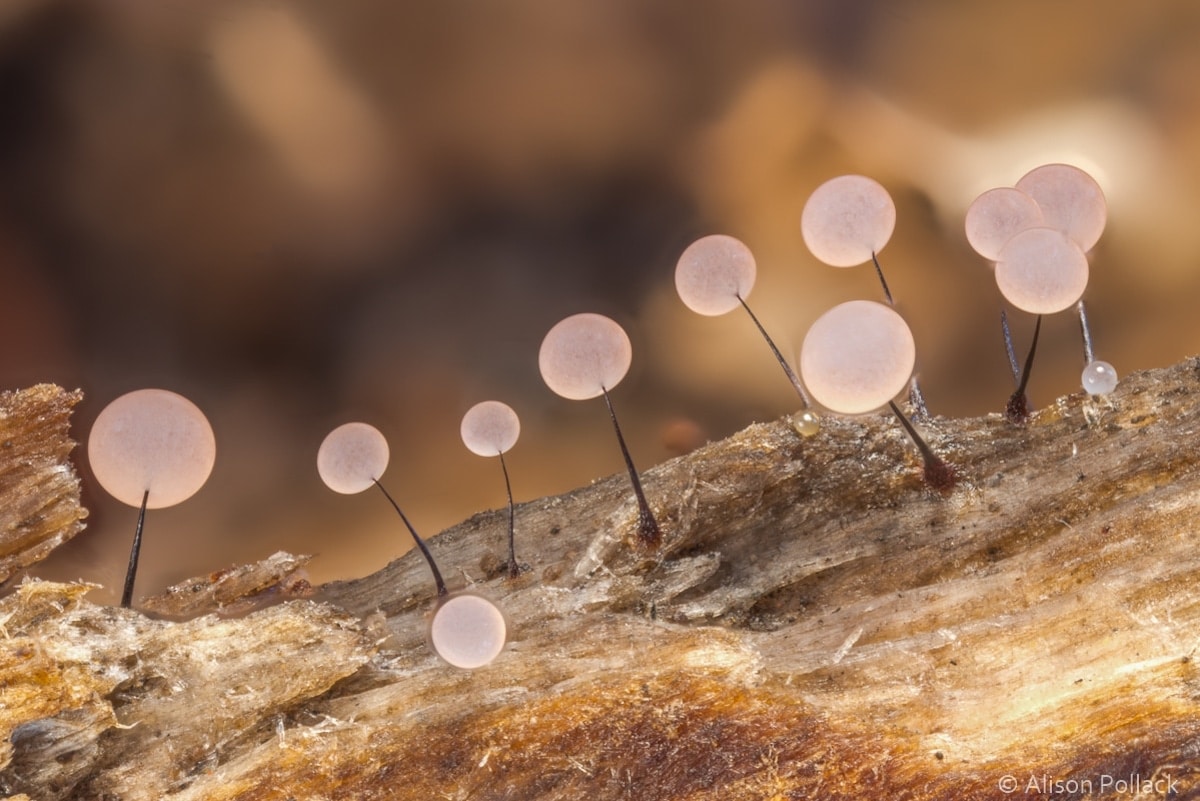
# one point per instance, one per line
(1070, 200)
(1099, 378)
(857, 356)
(1041, 271)
(996, 216)
(713, 273)
(352, 457)
(584, 355)
(151, 440)
(468, 631)
(490, 428)
(847, 219)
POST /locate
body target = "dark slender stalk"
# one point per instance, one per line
(514, 569)
(1017, 409)
(648, 530)
(938, 474)
(915, 396)
(887, 293)
(437, 575)
(134, 553)
(1008, 348)
(787, 368)
(1037, 329)
(1089, 354)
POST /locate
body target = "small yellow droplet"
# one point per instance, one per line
(806, 424)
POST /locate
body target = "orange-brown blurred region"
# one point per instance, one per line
(304, 213)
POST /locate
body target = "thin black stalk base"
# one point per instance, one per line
(648, 530)
(134, 552)
(420, 543)
(1017, 410)
(938, 474)
(514, 569)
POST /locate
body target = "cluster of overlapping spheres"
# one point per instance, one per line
(153, 448)
(1038, 234)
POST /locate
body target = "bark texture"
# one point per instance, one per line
(39, 491)
(816, 623)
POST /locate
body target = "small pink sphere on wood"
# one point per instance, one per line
(1070, 200)
(1041, 271)
(847, 220)
(857, 356)
(490, 428)
(997, 216)
(151, 440)
(713, 273)
(584, 355)
(468, 631)
(352, 457)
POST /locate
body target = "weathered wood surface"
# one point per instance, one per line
(817, 623)
(39, 491)
(236, 590)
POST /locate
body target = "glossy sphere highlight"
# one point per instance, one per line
(468, 631)
(1041, 271)
(997, 216)
(155, 440)
(352, 457)
(847, 219)
(713, 273)
(584, 355)
(1071, 201)
(1099, 378)
(490, 428)
(857, 356)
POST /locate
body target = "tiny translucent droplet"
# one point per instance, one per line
(468, 631)
(1099, 378)
(806, 424)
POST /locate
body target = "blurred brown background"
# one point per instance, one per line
(302, 213)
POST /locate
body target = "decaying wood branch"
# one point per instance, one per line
(816, 623)
(39, 492)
